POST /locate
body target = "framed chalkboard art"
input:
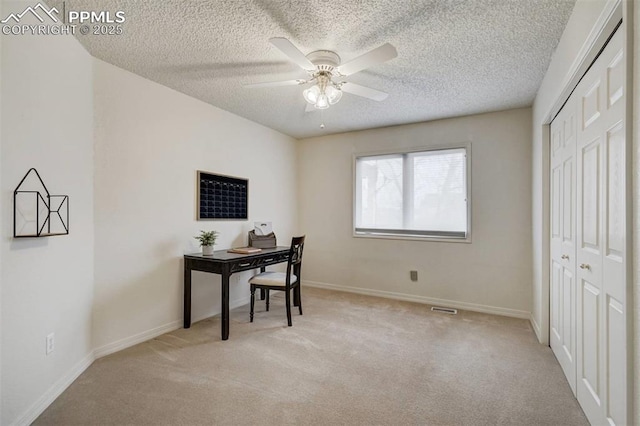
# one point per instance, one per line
(222, 197)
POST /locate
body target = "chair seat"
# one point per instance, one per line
(275, 279)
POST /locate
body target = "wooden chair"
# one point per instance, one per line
(282, 281)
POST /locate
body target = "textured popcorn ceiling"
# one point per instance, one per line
(454, 57)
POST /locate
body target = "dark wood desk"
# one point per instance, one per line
(225, 264)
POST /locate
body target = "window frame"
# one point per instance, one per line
(412, 237)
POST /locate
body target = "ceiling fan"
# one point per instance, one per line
(325, 70)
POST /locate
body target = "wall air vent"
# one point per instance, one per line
(449, 311)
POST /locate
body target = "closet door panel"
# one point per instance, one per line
(616, 379)
(590, 325)
(590, 200)
(568, 201)
(556, 301)
(568, 298)
(602, 239)
(589, 373)
(563, 234)
(614, 259)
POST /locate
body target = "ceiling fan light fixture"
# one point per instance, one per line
(333, 94)
(323, 102)
(311, 94)
(323, 94)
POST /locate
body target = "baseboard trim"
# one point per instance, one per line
(63, 383)
(486, 309)
(54, 391)
(232, 305)
(127, 342)
(536, 328)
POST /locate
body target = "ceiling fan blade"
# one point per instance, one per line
(376, 56)
(365, 92)
(274, 84)
(310, 108)
(293, 53)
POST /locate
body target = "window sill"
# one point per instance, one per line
(466, 240)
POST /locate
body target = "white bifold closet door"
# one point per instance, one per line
(563, 242)
(589, 239)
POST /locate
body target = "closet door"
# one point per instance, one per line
(601, 239)
(563, 247)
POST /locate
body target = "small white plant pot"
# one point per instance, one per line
(207, 250)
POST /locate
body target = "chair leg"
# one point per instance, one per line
(298, 293)
(288, 301)
(253, 301)
(267, 291)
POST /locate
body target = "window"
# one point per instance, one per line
(418, 194)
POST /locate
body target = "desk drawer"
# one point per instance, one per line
(259, 262)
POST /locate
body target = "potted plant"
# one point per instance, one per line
(207, 240)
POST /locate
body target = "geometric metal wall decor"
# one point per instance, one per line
(222, 197)
(36, 213)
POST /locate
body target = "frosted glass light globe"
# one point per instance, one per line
(323, 102)
(311, 94)
(333, 94)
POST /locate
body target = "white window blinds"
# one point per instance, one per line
(413, 194)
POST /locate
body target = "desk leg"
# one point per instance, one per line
(187, 297)
(225, 306)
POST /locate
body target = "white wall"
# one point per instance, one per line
(493, 273)
(578, 29)
(47, 283)
(150, 140)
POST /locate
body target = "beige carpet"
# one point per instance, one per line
(350, 360)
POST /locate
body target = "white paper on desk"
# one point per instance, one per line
(262, 228)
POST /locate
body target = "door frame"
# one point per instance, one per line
(609, 20)
(595, 42)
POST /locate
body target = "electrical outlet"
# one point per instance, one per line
(50, 343)
(414, 275)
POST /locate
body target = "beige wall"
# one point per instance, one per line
(493, 273)
(137, 193)
(149, 142)
(47, 283)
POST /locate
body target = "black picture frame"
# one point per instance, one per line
(222, 197)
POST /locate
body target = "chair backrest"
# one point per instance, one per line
(295, 258)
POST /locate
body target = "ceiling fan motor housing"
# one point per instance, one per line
(324, 60)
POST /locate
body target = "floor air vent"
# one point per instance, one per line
(449, 311)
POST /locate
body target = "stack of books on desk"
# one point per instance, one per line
(245, 250)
